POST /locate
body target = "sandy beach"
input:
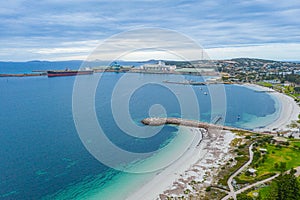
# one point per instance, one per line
(165, 178)
(207, 152)
(288, 110)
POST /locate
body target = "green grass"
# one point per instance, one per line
(296, 143)
(265, 84)
(268, 190)
(264, 192)
(243, 179)
(288, 154)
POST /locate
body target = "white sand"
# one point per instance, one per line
(198, 163)
(166, 177)
(288, 111)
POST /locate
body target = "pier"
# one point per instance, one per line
(196, 83)
(157, 121)
(186, 83)
(217, 119)
(23, 75)
(265, 91)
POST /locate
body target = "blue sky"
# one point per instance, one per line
(72, 29)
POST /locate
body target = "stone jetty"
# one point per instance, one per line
(23, 75)
(157, 121)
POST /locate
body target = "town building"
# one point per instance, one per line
(159, 67)
(279, 140)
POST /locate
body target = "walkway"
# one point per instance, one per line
(232, 193)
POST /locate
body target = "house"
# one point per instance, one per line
(251, 171)
(262, 150)
(279, 140)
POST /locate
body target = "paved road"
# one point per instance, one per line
(263, 181)
(298, 171)
(229, 182)
(256, 184)
(232, 193)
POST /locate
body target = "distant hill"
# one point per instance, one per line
(28, 67)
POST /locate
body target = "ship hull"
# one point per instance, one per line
(68, 73)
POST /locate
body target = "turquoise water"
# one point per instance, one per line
(122, 185)
(41, 155)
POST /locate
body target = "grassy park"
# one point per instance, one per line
(278, 154)
(269, 163)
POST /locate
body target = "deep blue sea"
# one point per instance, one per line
(41, 154)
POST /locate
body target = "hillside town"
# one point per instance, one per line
(248, 70)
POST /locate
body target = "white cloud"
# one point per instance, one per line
(265, 51)
(53, 28)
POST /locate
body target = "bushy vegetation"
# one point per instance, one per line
(242, 156)
(285, 187)
(278, 158)
(243, 196)
(294, 78)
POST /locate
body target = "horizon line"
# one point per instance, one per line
(79, 60)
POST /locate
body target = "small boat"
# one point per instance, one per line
(238, 117)
(205, 93)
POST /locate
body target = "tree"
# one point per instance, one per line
(271, 194)
(288, 187)
(285, 187)
(282, 167)
(276, 166)
(208, 189)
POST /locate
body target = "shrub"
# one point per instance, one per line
(208, 189)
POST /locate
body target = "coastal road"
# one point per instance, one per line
(232, 193)
(259, 183)
(297, 171)
(264, 181)
(256, 184)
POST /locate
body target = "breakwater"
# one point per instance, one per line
(23, 75)
(157, 121)
(196, 83)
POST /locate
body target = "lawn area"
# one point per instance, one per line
(264, 192)
(265, 84)
(265, 163)
(289, 155)
(296, 143)
(265, 166)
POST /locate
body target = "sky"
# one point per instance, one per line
(73, 29)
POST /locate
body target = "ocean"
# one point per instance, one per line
(42, 156)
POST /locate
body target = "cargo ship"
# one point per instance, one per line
(67, 72)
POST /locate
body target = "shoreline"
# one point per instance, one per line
(203, 158)
(288, 110)
(163, 179)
